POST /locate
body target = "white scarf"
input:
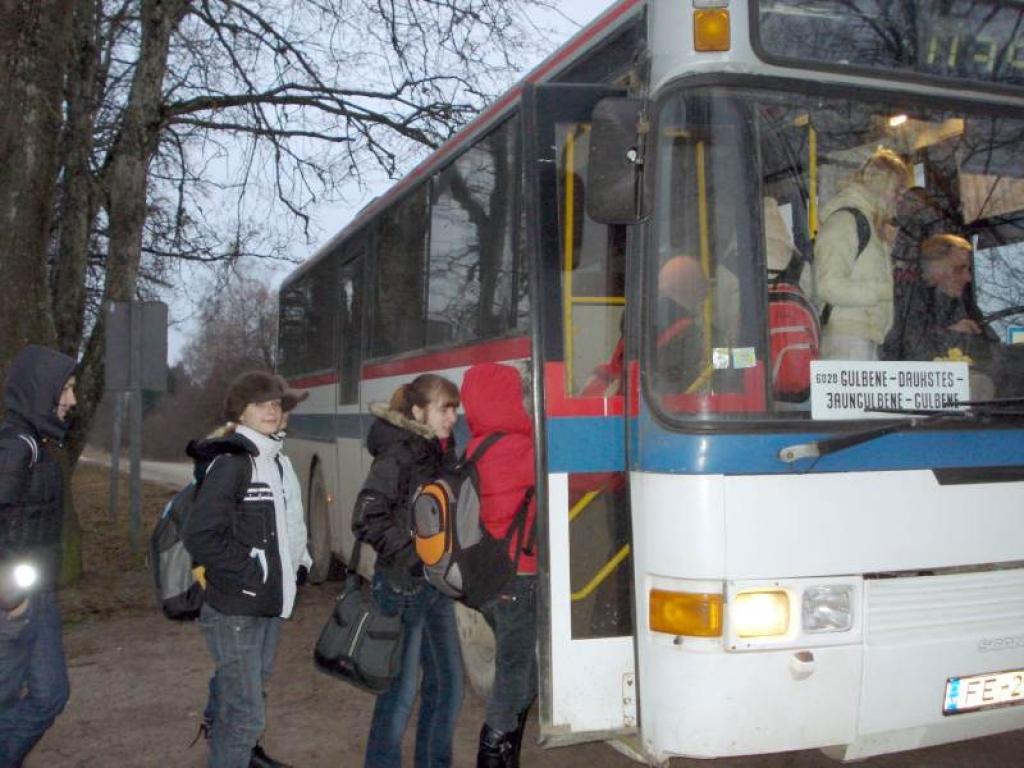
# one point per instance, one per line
(268, 470)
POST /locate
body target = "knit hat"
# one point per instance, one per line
(252, 387)
(292, 397)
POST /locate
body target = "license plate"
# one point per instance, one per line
(997, 689)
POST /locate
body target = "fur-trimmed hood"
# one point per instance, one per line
(382, 411)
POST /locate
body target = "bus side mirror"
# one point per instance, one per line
(615, 170)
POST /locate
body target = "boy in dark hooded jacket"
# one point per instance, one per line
(33, 671)
(492, 397)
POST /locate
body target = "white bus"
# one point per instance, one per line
(748, 544)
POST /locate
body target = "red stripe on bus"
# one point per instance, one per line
(486, 352)
(559, 403)
(585, 36)
(308, 382)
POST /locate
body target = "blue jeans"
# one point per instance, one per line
(432, 641)
(33, 676)
(513, 617)
(243, 650)
(269, 652)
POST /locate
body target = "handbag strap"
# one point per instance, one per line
(353, 560)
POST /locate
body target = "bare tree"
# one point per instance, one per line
(129, 111)
(238, 318)
(161, 94)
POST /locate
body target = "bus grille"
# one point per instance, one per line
(928, 608)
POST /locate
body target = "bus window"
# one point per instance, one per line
(702, 342)
(905, 218)
(471, 233)
(350, 325)
(592, 275)
(401, 236)
(306, 312)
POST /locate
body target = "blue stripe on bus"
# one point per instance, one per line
(585, 444)
(595, 444)
(588, 445)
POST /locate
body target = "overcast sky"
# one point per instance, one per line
(330, 219)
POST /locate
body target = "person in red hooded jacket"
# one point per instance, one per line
(492, 397)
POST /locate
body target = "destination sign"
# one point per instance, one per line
(962, 39)
(850, 389)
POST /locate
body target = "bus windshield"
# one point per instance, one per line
(790, 228)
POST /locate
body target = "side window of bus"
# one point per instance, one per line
(350, 324)
(306, 318)
(593, 277)
(401, 242)
(704, 343)
(472, 226)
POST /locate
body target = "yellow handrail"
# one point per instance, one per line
(570, 247)
(607, 568)
(582, 504)
(601, 575)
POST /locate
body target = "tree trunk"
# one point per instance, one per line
(34, 44)
(76, 211)
(124, 182)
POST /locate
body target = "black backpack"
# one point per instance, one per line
(460, 556)
(179, 582)
(179, 587)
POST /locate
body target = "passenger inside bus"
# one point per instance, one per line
(682, 288)
(782, 259)
(918, 216)
(851, 257)
(939, 319)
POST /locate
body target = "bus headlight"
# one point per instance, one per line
(827, 609)
(764, 613)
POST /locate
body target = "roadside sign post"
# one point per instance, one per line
(136, 360)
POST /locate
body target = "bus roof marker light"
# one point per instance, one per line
(710, 4)
(711, 30)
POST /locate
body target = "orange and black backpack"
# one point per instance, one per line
(460, 556)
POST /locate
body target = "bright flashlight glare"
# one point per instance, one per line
(897, 120)
(25, 575)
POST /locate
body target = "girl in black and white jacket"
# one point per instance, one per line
(238, 532)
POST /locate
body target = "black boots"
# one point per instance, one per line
(496, 749)
(261, 759)
(500, 749)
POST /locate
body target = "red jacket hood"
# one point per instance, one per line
(492, 397)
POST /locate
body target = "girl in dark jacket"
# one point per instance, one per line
(492, 395)
(410, 440)
(238, 532)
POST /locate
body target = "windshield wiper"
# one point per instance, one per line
(977, 411)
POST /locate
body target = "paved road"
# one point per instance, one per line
(173, 474)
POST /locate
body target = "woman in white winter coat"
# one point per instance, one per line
(852, 268)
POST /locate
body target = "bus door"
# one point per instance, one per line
(585, 620)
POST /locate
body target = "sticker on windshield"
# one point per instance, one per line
(854, 389)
